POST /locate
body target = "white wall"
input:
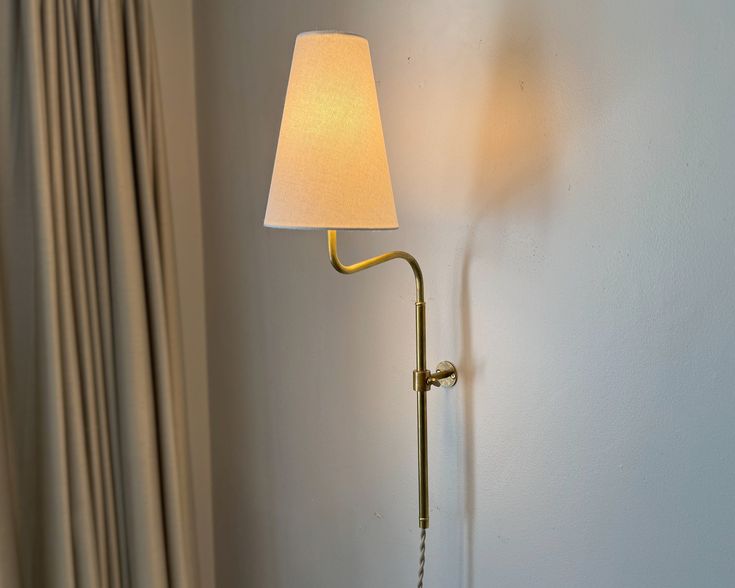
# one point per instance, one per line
(563, 171)
(175, 45)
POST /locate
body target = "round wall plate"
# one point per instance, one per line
(451, 379)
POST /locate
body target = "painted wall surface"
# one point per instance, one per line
(564, 173)
(175, 44)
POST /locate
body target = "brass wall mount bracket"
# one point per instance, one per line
(445, 376)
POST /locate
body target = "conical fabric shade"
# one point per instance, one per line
(331, 170)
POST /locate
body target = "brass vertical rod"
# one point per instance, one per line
(421, 414)
(421, 374)
(423, 459)
(420, 336)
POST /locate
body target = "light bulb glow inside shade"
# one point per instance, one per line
(331, 169)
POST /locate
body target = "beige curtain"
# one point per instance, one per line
(94, 482)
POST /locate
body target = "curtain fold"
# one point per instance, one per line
(97, 488)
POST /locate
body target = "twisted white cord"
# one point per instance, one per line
(422, 558)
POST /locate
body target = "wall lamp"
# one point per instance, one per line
(331, 173)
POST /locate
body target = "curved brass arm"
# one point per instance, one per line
(421, 376)
(373, 261)
(423, 379)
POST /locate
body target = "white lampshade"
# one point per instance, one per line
(331, 170)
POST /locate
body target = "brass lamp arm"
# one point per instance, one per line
(423, 379)
(373, 261)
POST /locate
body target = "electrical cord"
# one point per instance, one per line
(422, 558)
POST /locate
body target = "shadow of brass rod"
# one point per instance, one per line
(421, 376)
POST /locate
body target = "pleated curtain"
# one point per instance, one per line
(94, 476)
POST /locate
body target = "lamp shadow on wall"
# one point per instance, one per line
(513, 172)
